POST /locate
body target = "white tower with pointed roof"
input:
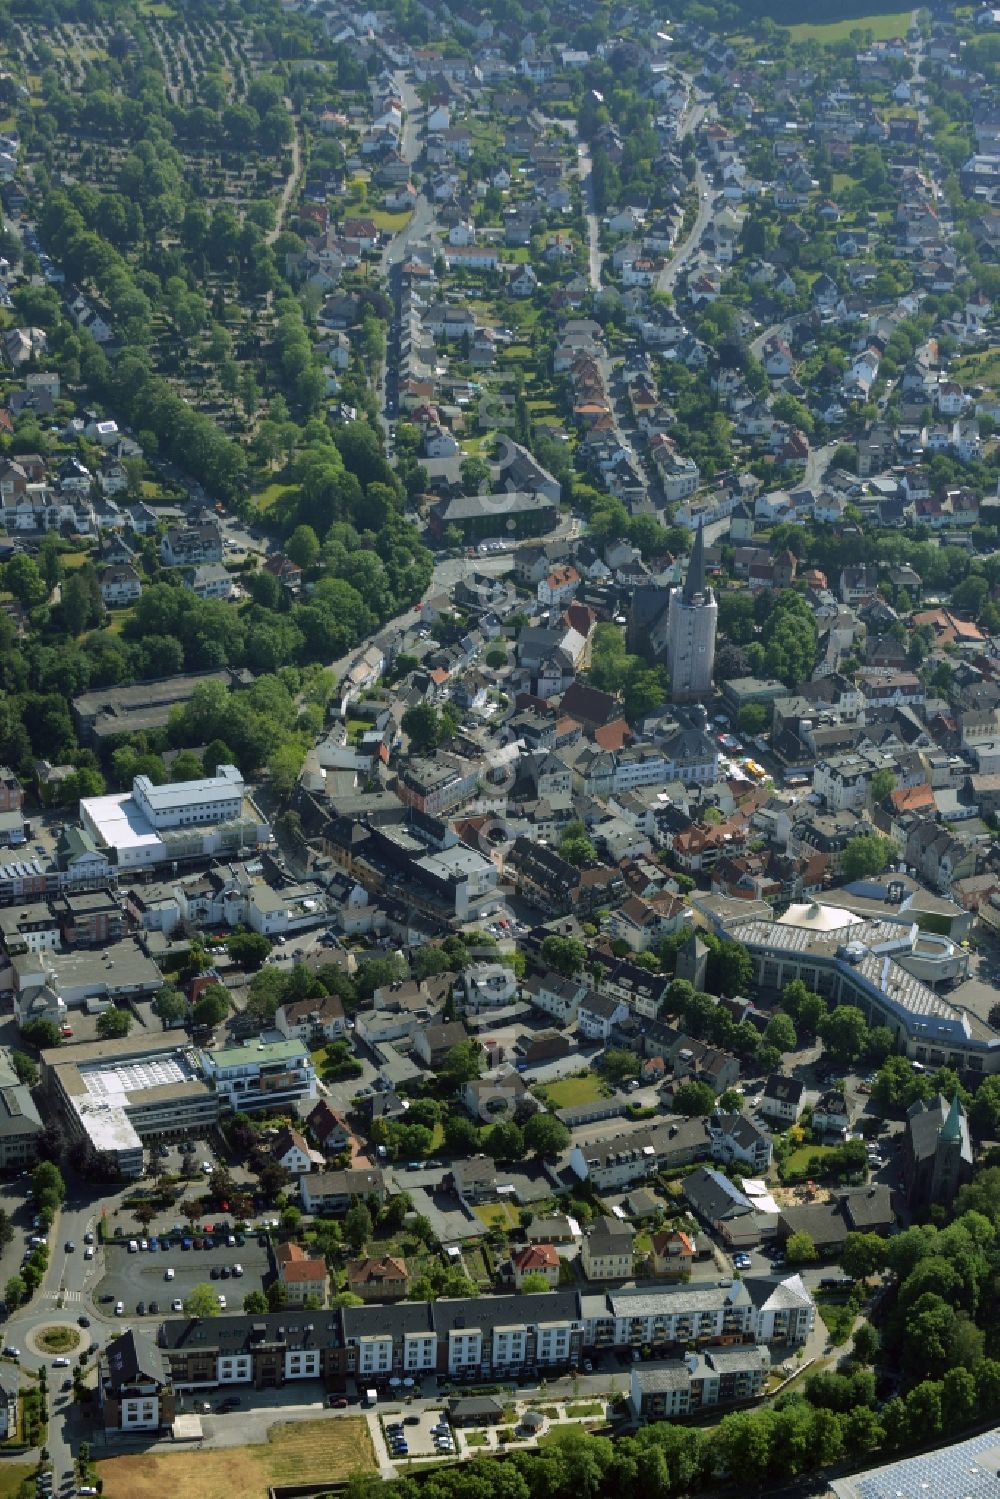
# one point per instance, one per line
(692, 618)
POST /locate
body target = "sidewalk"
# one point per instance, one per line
(386, 1468)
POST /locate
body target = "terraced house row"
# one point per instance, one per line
(486, 1337)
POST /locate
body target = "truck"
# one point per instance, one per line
(371, 1398)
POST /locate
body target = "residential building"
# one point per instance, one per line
(134, 1385)
(265, 1076)
(698, 1382)
(782, 1098)
(596, 1014)
(312, 1020)
(189, 546)
(672, 1254)
(21, 1126)
(8, 1408)
(608, 1250)
(382, 1278)
(332, 1192)
(291, 1150)
(304, 1276)
(535, 1259)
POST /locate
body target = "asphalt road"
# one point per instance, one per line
(585, 167)
(688, 247)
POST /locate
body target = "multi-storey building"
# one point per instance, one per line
(264, 1076)
(698, 1381)
(484, 1338)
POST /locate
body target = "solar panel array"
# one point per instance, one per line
(952, 1473)
(134, 1077)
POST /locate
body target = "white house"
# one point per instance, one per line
(596, 1014)
(488, 986)
(120, 586)
(440, 443)
(556, 996)
(782, 1098)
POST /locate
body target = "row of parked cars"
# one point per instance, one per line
(186, 1241)
(395, 1435)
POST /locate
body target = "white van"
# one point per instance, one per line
(133, 1247)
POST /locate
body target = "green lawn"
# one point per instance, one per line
(979, 369)
(838, 1316)
(566, 1092)
(883, 27)
(498, 1215)
(390, 223)
(12, 1475)
(269, 496)
(799, 1158)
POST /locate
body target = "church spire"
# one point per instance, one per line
(694, 583)
(952, 1127)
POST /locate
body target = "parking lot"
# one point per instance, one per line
(184, 1156)
(416, 1430)
(141, 1277)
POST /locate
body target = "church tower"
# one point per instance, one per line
(692, 617)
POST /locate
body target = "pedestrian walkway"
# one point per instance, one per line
(386, 1467)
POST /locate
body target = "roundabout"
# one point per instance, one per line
(54, 1339)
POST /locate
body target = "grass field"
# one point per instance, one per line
(12, 1475)
(497, 1215)
(265, 498)
(295, 1452)
(566, 1092)
(389, 222)
(838, 1316)
(979, 369)
(894, 23)
(799, 1159)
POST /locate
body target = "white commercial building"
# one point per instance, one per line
(178, 821)
(180, 803)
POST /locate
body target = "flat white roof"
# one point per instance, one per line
(108, 1127)
(114, 1084)
(228, 783)
(119, 821)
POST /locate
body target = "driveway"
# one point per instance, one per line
(448, 1218)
